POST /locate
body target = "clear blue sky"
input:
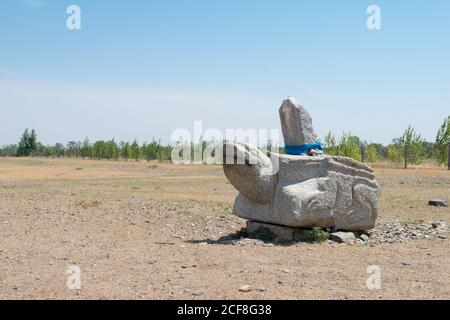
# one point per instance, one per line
(140, 69)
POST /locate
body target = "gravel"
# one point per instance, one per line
(398, 232)
(382, 234)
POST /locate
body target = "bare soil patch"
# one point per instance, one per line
(141, 231)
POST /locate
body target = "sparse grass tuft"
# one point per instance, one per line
(412, 222)
(320, 235)
(89, 204)
(243, 233)
(227, 208)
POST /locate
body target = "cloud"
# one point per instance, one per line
(34, 3)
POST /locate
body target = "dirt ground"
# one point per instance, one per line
(139, 231)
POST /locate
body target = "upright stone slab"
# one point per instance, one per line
(296, 124)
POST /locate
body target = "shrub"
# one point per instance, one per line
(372, 153)
(320, 235)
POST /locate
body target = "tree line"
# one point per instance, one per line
(98, 150)
(408, 149)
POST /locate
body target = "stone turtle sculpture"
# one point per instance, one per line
(301, 191)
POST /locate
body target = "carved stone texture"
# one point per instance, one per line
(324, 191)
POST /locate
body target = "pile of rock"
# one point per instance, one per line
(292, 194)
(389, 233)
(260, 234)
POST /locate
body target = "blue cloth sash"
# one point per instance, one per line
(303, 149)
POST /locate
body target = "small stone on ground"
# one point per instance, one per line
(343, 237)
(438, 203)
(245, 288)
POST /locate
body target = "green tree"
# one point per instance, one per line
(428, 150)
(442, 142)
(371, 153)
(9, 151)
(411, 143)
(27, 144)
(349, 146)
(71, 149)
(59, 150)
(86, 149)
(330, 144)
(165, 152)
(112, 152)
(50, 151)
(151, 150)
(41, 150)
(135, 150)
(33, 141)
(394, 153)
(99, 149)
(125, 150)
